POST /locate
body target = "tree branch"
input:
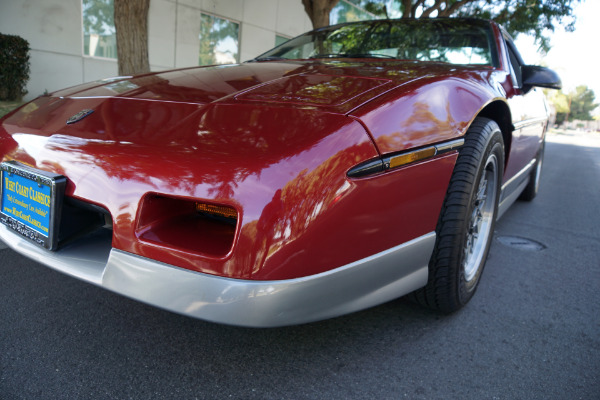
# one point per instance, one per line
(318, 11)
(413, 12)
(447, 12)
(406, 8)
(435, 7)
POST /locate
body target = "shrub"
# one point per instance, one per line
(14, 67)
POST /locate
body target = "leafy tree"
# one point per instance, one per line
(582, 104)
(535, 17)
(576, 105)
(560, 101)
(14, 67)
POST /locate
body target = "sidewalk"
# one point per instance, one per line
(579, 137)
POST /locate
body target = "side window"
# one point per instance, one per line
(280, 39)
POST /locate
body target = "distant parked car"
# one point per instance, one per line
(346, 167)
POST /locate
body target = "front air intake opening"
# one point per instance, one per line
(79, 219)
(187, 225)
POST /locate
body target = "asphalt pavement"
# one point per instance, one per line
(532, 331)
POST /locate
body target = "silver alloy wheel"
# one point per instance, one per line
(482, 218)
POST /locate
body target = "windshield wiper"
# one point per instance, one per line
(370, 55)
(351, 55)
(267, 58)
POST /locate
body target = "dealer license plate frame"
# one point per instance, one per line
(23, 208)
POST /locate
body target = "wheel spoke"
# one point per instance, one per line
(482, 190)
(479, 226)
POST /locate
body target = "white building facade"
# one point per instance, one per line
(66, 52)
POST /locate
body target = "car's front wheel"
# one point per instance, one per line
(467, 219)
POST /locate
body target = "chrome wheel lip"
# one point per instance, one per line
(479, 228)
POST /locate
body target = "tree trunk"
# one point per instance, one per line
(131, 24)
(318, 11)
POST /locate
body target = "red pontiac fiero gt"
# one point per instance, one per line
(349, 166)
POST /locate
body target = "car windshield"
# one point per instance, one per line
(440, 40)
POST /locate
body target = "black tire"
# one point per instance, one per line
(471, 204)
(531, 190)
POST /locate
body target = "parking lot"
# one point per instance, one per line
(532, 331)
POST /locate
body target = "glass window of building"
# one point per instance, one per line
(99, 34)
(348, 11)
(219, 41)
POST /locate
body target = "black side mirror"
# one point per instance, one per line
(539, 76)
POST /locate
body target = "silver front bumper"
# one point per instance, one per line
(361, 284)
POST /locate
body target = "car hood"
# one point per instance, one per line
(337, 86)
(168, 108)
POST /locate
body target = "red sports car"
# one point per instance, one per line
(349, 166)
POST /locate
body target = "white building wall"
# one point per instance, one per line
(187, 44)
(162, 28)
(54, 30)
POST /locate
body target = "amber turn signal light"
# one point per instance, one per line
(411, 157)
(217, 211)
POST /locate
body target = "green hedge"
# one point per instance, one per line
(14, 67)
